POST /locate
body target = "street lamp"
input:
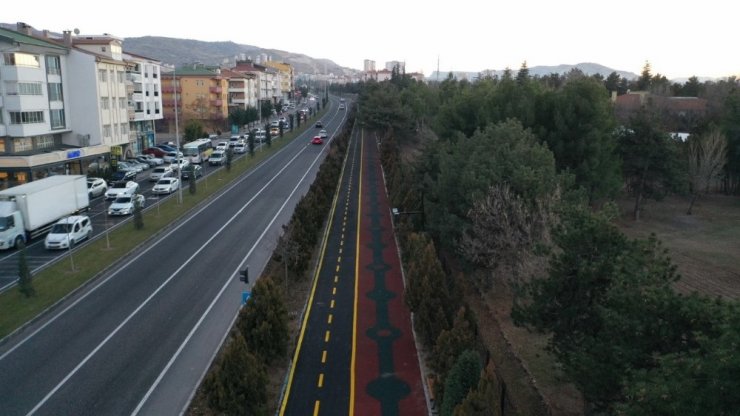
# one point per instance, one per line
(177, 139)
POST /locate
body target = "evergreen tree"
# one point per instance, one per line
(25, 283)
(485, 400)
(250, 142)
(192, 186)
(264, 321)
(645, 80)
(138, 215)
(237, 384)
(463, 377)
(229, 159)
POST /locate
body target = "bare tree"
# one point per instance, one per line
(707, 156)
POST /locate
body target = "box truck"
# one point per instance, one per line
(31, 209)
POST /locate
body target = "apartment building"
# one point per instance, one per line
(286, 78)
(201, 93)
(242, 89)
(145, 100)
(36, 117)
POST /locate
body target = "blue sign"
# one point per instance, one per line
(234, 129)
(245, 297)
(71, 154)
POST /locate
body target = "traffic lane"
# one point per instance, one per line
(147, 270)
(321, 375)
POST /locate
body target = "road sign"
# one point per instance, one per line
(245, 297)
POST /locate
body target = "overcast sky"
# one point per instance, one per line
(679, 39)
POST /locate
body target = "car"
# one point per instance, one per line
(222, 146)
(260, 135)
(218, 157)
(317, 140)
(124, 166)
(240, 148)
(323, 134)
(194, 171)
(96, 187)
(121, 188)
(154, 151)
(319, 124)
(124, 205)
(167, 147)
(177, 165)
(274, 131)
(136, 162)
(151, 160)
(161, 172)
(166, 186)
(274, 123)
(341, 106)
(121, 175)
(170, 157)
(68, 231)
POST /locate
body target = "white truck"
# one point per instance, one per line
(31, 209)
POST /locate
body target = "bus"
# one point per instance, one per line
(198, 151)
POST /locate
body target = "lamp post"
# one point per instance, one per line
(177, 139)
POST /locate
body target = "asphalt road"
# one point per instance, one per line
(320, 380)
(140, 339)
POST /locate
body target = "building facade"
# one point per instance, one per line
(201, 94)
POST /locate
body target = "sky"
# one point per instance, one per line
(678, 39)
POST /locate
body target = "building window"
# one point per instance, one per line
(22, 144)
(55, 92)
(199, 83)
(105, 103)
(103, 75)
(106, 131)
(2, 146)
(26, 117)
(121, 77)
(53, 66)
(57, 119)
(122, 103)
(23, 88)
(45, 142)
(21, 59)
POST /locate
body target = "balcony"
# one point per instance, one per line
(217, 103)
(215, 90)
(170, 90)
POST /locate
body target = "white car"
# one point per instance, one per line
(222, 146)
(240, 148)
(96, 187)
(122, 188)
(150, 159)
(170, 157)
(166, 186)
(68, 231)
(218, 157)
(323, 134)
(161, 172)
(124, 205)
(181, 164)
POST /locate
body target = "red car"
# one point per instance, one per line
(157, 152)
(317, 140)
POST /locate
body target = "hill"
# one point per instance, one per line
(186, 51)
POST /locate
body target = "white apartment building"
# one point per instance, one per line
(368, 65)
(145, 101)
(37, 138)
(242, 89)
(393, 64)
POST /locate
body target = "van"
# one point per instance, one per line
(217, 158)
(68, 231)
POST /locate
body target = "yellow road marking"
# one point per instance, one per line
(339, 259)
(331, 317)
(321, 380)
(327, 336)
(337, 268)
(336, 278)
(334, 291)
(357, 268)
(316, 408)
(323, 357)
(332, 304)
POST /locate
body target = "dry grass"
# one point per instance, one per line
(704, 246)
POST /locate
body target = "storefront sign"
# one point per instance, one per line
(71, 154)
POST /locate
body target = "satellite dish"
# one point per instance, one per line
(77, 31)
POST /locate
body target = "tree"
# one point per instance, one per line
(523, 75)
(452, 342)
(485, 400)
(264, 320)
(650, 160)
(250, 142)
(192, 186)
(229, 158)
(645, 79)
(612, 82)
(25, 283)
(193, 130)
(138, 215)
(707, 156)
(268, 135)
(266, 108)
(237, 383)
(463, 377)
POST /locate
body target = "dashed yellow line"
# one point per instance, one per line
(331, 318)
(336, 278)
(340, 251)
(323, 357)
(332, 304)
(316, 408)
(321, 380)
(339, 259)
(327, 336)
(337, 268)
(334, 291)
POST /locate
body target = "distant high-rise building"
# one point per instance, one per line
(393, 64)
(369, 65)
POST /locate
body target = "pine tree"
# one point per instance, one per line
(138, 217)
(25, 285)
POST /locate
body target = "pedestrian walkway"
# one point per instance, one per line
(387, 376)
